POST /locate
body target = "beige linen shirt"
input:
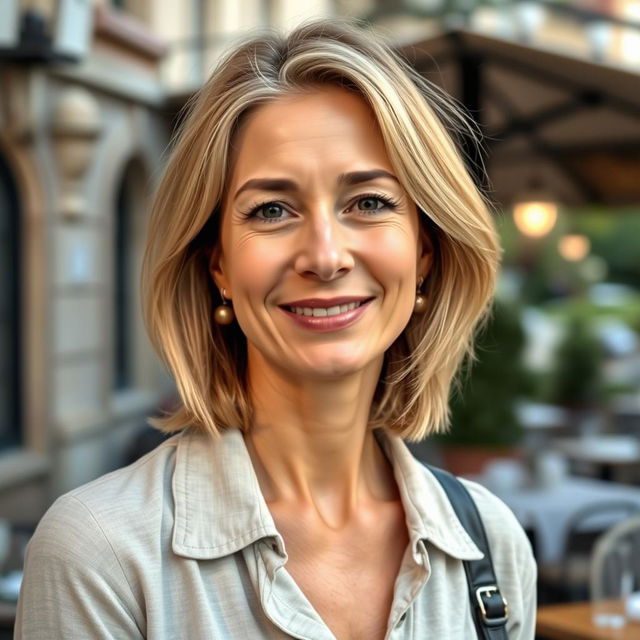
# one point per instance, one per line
(181, 544)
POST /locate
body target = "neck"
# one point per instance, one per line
(311, 446)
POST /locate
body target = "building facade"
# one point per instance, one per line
(81, 144)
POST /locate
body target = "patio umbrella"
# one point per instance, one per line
(551, 121)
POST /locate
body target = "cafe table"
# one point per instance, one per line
(606, 453)
(573, 621)
(546, 511)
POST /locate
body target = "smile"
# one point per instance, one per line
(321, 312)
(320, 315)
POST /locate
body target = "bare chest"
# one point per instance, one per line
(349, 582)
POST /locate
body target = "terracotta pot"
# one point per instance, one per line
(465, 460)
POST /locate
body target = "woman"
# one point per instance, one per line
(318, 260)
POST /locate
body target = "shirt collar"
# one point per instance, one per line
(430, 516)
(219, 508)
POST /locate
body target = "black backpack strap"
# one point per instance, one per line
(490, 610)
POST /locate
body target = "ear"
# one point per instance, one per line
(216, 269)
(425, 253)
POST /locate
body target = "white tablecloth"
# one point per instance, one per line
(599, 449)
(547, 511)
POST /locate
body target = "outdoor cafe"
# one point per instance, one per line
(562, 142)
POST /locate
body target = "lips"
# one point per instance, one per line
(324, 303)
(324, 307)
(323, 312)
(326, 314)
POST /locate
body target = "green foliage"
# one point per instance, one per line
(562, 289)
(482, 412)
(613, 234)
(627, 311)
(576, 380)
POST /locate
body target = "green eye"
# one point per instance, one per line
(270, 211)
(370, 204)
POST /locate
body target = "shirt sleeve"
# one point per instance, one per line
(529, 604)
(523, 587)
(74, 585)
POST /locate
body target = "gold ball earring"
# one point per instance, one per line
(224, 313)
(420, 305)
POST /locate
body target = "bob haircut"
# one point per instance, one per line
(209, 361)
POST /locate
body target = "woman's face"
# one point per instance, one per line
(320, 244)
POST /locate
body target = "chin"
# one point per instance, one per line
(334, 370)
(338, 365)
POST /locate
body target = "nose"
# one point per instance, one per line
(324, 250)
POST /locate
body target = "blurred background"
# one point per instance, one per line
(549, 417)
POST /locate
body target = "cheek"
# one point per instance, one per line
(394, 252)
(254, 269)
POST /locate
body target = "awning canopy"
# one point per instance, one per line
(563, 124)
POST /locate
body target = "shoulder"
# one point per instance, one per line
(85, 563)
(504, 531)
(509, 546)
(510, 550)
(512, 557)
(118, 501)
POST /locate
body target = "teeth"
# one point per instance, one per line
(320, 312)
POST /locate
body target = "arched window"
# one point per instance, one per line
(130, 205)
(9, 310)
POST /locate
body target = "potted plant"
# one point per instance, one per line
(484, 423)
(576, 381)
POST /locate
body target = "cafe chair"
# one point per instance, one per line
(615, 562)
(569, 579)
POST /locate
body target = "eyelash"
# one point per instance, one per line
(388, 203)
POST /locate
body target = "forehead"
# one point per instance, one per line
(327, 126)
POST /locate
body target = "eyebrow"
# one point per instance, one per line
(284, 184)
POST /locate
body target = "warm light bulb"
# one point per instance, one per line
(535, 218)
(574, 247)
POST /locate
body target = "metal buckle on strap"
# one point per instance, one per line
(490, 619)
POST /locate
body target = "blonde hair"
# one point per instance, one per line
(209, 362)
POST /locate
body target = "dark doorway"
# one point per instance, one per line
(9, 309)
